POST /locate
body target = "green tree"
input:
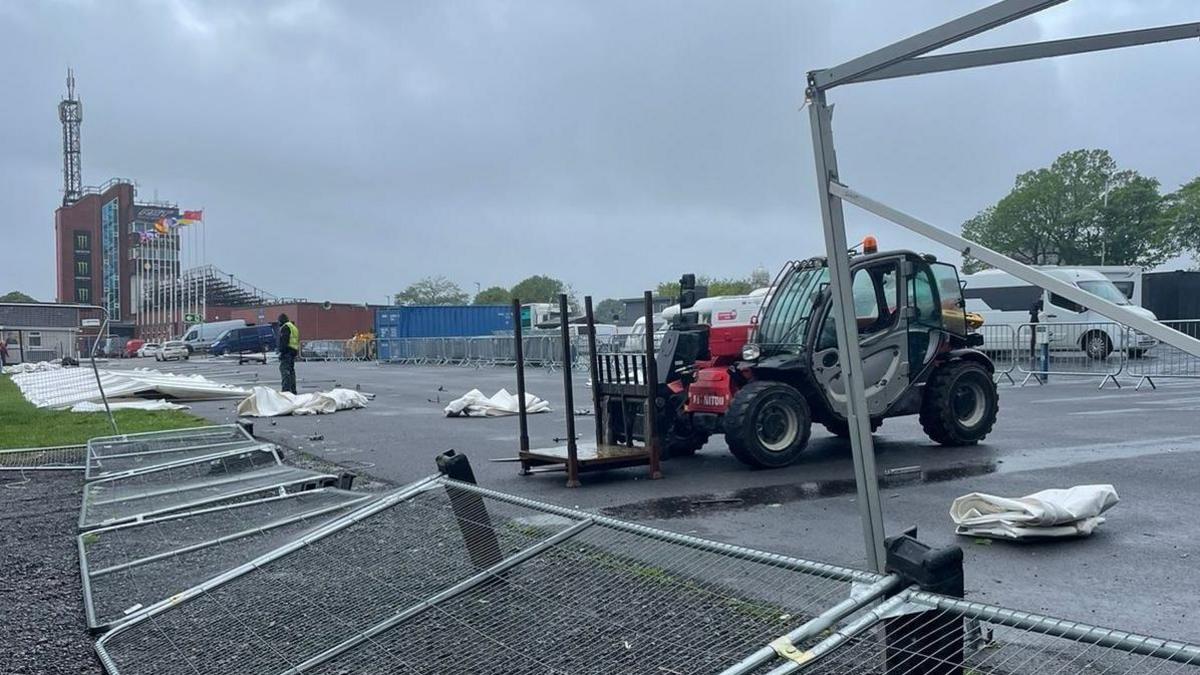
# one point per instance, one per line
(1182, 211)
(727, 286)
(493, 295)
(1081, 210)
(609, 310)
(538, 288)
(16, 296)
(436, 290)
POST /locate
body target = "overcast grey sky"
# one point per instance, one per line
(342, 150)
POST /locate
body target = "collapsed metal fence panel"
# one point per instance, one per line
(173, 487)
(127, 567)
(916, 633)
(110, 455)
(447, 577)
(442, 576)
(59, 457)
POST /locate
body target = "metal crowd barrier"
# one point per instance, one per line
(338, 350)
(1106, 350)
(1164, 361)
(1000, 344)
(543, 351)
(1076, 349)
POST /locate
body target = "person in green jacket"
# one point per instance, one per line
(289, 347)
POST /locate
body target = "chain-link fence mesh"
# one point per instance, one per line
(61, 457)
(111, 455)
(129, 567)
(584, 596)
(442, 576)
(925, 634)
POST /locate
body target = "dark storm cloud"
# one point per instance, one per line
(342, 150)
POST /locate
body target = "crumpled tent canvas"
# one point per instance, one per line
(62, 388)
(475, 404)
(1071, 512)
(267, 402)
(149, 404)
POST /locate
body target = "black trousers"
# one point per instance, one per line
(287, 370)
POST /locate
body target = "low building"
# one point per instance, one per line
(40, 331)
(316, 320)
(635, 308)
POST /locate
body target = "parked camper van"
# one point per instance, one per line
(1002, 298)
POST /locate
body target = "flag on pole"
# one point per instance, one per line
(193, 215)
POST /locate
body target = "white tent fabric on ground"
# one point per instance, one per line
(64, 387)
(266, 402)
(475, 404)
(38, 367)
(137, 404)
(1071, 512)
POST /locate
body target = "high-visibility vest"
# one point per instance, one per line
(293, 336)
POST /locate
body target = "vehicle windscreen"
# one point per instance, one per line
(784, 321)
(224, 334)
(1104, 289)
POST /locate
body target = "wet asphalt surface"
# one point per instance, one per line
(1138, 572)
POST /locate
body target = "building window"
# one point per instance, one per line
(83, 294)
(110, 237)
(82, 268)
(33, 339)
(83, 241)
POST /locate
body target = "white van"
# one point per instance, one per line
(1002, 298)
(635, 339)
(1127, 279)
(200, 336)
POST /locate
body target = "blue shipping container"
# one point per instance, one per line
(418, 321)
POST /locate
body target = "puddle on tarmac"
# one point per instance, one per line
(702, 504)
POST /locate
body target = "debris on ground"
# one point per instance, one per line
(475, 404)
(1071, 512)
(267, 402)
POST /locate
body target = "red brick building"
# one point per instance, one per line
(316, 320)
(99, 258)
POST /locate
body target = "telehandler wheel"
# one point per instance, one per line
(767, 425)
(681, 444)
(841, 429)
(960, 404)
(681, 438)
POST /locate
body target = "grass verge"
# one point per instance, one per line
(24, 426)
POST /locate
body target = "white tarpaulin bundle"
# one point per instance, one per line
(65, 387)
(475, 404)
(1072, 512)
(266, 402)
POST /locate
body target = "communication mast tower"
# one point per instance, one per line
(70, 113)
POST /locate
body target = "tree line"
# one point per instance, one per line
(1085, 210)
(440, 290)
